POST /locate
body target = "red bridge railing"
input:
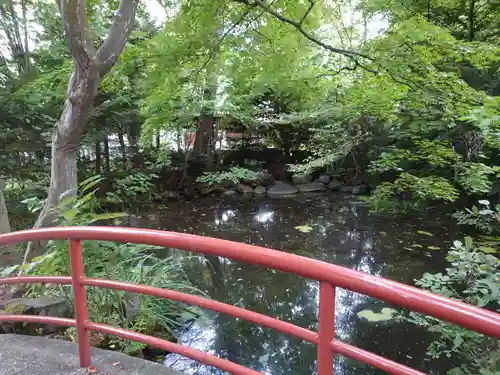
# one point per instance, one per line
(329, 276)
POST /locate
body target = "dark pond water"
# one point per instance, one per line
(336, 229)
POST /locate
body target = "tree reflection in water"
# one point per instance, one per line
(342, 233)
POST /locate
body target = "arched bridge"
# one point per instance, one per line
(329, 276)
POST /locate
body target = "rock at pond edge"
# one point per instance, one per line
(58, 307)
(244, 189)
(300, 179)
(356, 190)
(280, 189)
(325, 178)
(311, 187)
(334, 184)
(260, 190)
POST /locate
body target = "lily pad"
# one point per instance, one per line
(304, 228)
(433, 248)
(424, 233)
(384, 315)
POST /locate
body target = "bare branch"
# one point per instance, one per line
(300, 29)
(118, 34)
(76, 30)
(312, 3)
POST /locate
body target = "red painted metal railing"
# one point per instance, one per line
(329, 276)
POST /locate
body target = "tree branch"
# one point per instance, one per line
(217, 47)
(312, 3)
(76, 30)
(122, 26)
(306, 34)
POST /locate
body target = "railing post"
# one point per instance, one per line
(326, 328)
(77, 274)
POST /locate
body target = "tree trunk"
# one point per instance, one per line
(82, 89)
(133, 145)
(107, 167)
(158, 141)
(204, 141)
(122, 148)
(178, 136)
(98, 157)
(470, 21)
(89, 66)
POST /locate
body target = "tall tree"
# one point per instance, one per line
(90, 65)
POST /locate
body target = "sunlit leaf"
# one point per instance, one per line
(107, 216)
(304, 228)
(424, 233)
(384, 315)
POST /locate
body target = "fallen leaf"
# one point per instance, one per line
(423, 232)
(304, 228)
(383, 233)
(417, 245)
(116, 364)
(91, 370)
(384, 315)
(433, 248)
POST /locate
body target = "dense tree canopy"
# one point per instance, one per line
(400, 96)
(400, 93)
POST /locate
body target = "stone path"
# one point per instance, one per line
(28, 355)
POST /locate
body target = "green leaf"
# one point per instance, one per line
(9, 270)
(468, 242)
(458, 340)
(384, 315)
(456, 371)
(107, 216)
(90, 183)
(304, 228)
(434, 248)
(487, 249)
(424, 233)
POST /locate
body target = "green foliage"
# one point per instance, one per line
(471, 277)
(139, 264)
(384, 315)
(484, 218)
(234, 175)
(475, 177)
(79, 209)
(132, 187)
(408, 193)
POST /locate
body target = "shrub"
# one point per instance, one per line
(132, 187)
(473, 277)
(234, 174)
(133, 263)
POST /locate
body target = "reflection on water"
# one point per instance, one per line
(341, 232)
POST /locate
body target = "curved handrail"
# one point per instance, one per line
(329, 275)
(402, 295)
